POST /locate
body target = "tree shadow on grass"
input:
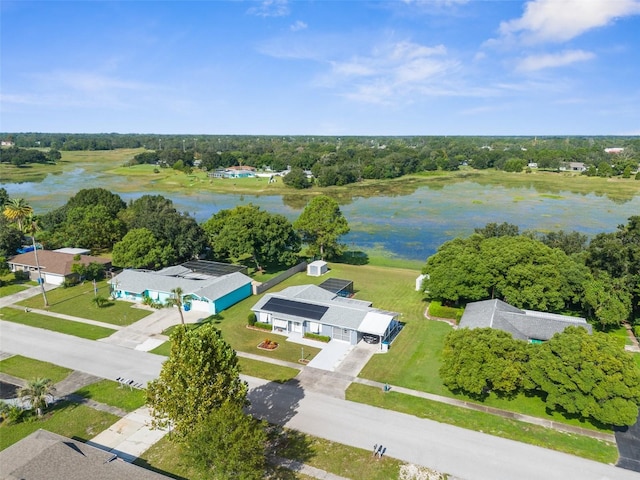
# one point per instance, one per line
(353, 257)
(140, 462)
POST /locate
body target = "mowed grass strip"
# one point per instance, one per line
(77, 301)
(29, 368)
(579, 445)
(64, 418)
(77, 329)
(114, 394)
(266, 371)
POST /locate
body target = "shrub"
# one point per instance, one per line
(21, 276)
(251, 319)
(263, 326)
(436, 309)
(315, 336)
(636, 331)
(69, 282)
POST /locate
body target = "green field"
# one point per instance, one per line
(78, 301)
(114, 394)
(28, 369)
(78, 329)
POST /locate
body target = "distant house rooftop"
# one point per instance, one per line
(522, 324)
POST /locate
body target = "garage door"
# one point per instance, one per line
(341, 334)
(199, 306)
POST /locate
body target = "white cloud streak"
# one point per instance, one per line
(298, 25)
(553, 60)
(270, 8)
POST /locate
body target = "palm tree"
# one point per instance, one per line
(31, 227)
(176, 301)
(36, 393)
(17, 210)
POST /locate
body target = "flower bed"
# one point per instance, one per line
(267, 344)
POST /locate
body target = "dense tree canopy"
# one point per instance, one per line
(200, 376)
(178, 230)
(518, 269)
(248, 231)
(482, 360)
(321, 224)
(228, 444)
(141, 249)
(587, 375)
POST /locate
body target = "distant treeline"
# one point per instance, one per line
(344, 160)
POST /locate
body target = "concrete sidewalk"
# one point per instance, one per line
(23, 295)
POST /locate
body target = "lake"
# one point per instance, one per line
(409, 226)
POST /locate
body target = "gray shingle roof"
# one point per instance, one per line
(45, 455)
(344, 313)
(211, 288)
(522, 324)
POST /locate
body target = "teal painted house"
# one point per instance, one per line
(201, 292)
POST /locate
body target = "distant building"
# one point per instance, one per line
(614, 150)
(572, 167)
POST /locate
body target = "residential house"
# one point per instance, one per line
(242, 171)
(208, 287)
(310, 308)
(527, 325)
(55, 266)
(47, 455)
(572, 167)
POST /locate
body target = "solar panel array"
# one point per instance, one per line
(297, 309)
(214, 269)
(337, 285)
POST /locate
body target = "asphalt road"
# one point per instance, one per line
(462, 453)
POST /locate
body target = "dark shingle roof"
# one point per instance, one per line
(44, 455)
(522, 324)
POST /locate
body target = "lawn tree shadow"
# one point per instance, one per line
(146, 465)
(289, 445)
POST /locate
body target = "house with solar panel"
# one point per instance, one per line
(313, 309)
(208, 287)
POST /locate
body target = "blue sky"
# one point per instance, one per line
(435, 67)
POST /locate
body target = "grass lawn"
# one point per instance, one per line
(7, 290)
(267, 371)
(114, 394)
(482, 422)
(350, 462)
(413, 362)
(83, 330)
(28, 368)
(78, 301)
(65, 418)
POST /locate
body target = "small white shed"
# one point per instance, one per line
(419, 281)
(317, 268)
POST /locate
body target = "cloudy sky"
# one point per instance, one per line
(359, 67)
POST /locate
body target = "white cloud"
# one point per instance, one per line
(562, 20)
(270, 8)
(91, 82)
(553, 60)
(298, 25)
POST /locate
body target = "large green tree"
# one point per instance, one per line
(321, 224)
(90, 227)
(248, 231)
(228, 444)
(518, 269)
(178, 230)
(139, 248)
(586, 375)
(200, 376)
(11, 238)
(481, 360)
(90, 197)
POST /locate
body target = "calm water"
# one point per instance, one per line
(409, 226)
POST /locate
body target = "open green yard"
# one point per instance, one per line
(267, 371)
(65, 418)
(483, 422)
(114, 394)
(7, 290)
(28, 368)
(83, 330)
(78, 301)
